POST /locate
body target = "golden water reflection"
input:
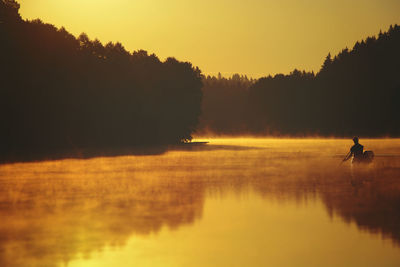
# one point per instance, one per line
(230, 202)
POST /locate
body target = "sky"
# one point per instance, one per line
(253, 37)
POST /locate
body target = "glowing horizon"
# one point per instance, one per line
(256, 38)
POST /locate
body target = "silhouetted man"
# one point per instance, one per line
(357, 151)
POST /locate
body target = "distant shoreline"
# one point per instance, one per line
(86, 153)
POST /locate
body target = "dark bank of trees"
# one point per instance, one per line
(357, 92)
(224, 107)
(60, 92)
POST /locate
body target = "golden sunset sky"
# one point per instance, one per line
(252, 37)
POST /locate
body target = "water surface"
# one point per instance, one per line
(231, 202)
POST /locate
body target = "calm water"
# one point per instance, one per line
(232, 202)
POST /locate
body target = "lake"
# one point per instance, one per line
(230, 202)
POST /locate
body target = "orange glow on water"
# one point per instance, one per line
(255, 202)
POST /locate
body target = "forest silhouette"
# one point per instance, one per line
(60, 92)
(357, 92)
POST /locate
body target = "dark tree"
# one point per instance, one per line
(59, 92)
(224, 107)
(355, 93)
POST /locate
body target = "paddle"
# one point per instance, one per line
(345, 158)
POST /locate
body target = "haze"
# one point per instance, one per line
(251, 37)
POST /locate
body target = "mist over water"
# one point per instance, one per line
(231, 202)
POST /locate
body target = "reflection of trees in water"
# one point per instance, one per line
(52, 218)
(53, 212)
(369, 196)
(372, 201)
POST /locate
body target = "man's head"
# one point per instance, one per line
(355, 140)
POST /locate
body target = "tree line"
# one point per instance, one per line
(224, 106)
(59, 92)
(354, 93)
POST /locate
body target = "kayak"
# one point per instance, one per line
(367, 157)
